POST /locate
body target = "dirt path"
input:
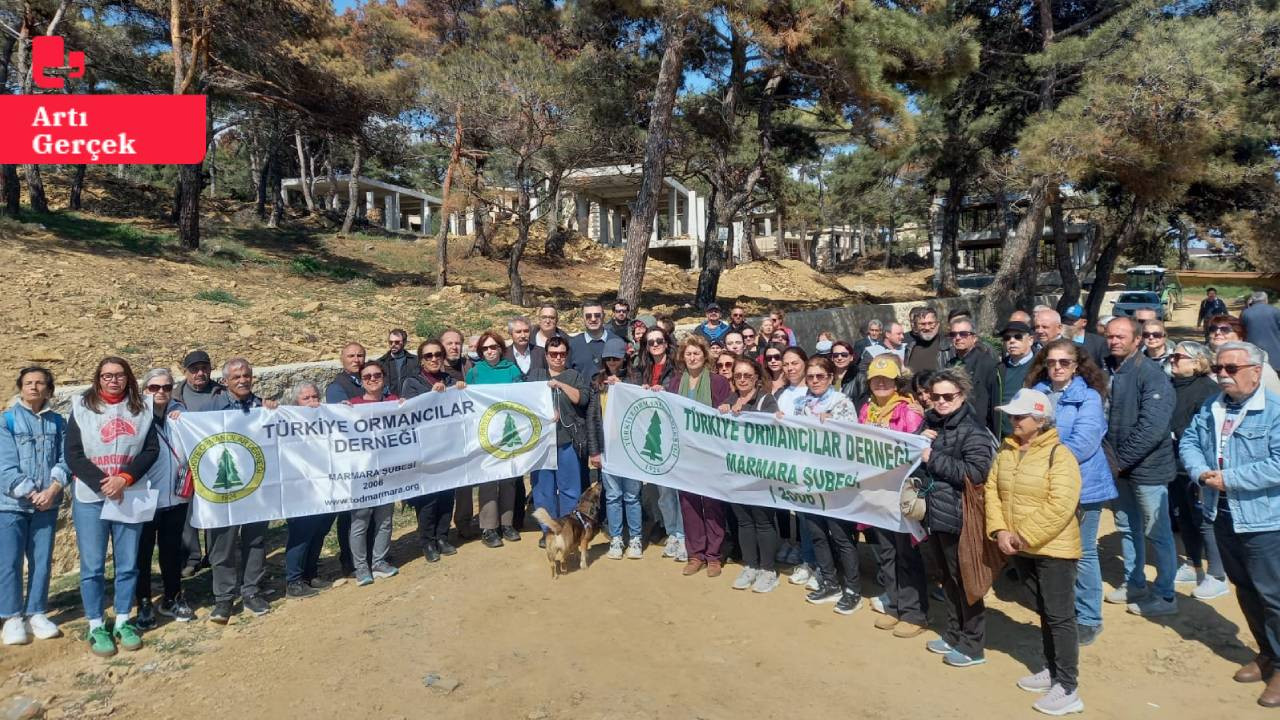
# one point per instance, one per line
(625, 639)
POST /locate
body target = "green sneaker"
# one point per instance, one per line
(100, 642)
(128, 637)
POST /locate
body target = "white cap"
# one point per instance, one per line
(1028, 402)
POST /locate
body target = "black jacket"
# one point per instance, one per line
(964, 449)
(982, 368)
(419, 385)
(1141, 405)
(1190, 393)
(572, 426)
(537, 357)
(397, 369)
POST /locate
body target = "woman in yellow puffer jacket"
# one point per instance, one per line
(1032, 492)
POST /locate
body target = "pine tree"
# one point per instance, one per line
(510, 435)
(653, 439)
(228, 476)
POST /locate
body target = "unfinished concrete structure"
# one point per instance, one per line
(402, 209)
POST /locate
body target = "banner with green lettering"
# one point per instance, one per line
(844, 470)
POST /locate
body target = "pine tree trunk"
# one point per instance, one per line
(1011, 281)
(523, 221)
(303, 177)
(35, 189)
(189, 214)
(1115, 245)
(77, 187)
(949, 241)
(442, 242)
(1062, 255)
(10, 191)
(645, 206)
(353, 186)
(713, 251)
(277, 196)
(264, 173)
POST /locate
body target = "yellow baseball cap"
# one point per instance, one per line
(883, 366)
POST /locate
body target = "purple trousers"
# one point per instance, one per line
(703, 526)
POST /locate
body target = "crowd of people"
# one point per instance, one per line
(1031, 438)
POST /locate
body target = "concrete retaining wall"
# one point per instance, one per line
(847, 322)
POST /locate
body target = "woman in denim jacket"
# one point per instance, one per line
(32, 475)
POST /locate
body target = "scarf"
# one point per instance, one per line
(880, 415)
(701, 393)
(110, 399)
(810, 404)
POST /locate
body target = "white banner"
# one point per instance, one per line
(844, 470)
(293, 461)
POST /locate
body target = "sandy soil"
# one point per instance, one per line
(624, 639)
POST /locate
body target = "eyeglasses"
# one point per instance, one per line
(944, 397)
(724, 366)
(816, 376)
(433, 356)
(1230, 368)
(547, 317)
(372, 376)
(490, 347)
(109, 377)
(1221, 329)
(1152, 336)
(736, 315)
(1014, 336)
(657, 342)
(168, 387)
(1059, 362)
(960, 334)
(592, 316)
(556, 353)
(839, 354)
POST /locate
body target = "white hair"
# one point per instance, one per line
(1256, 355)
(1259, 296)
(511, 324)
(293, 393)
(235, 362)
(154, 373)
(1048, 312)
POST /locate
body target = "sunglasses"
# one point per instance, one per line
(960, 334)
(1178, 357)
(724, 366)
(1014, 336)
(1231, 368)
(839, 354)
(1152, 336)
(372, 376)
(1220, 329)
(773, 358)
(591, 316)
(744, 376)
(944, 397)
(657, 342)
(1059, 362)
(433, 355)
(547, 317)
(168, 387)
(816, 376)
(556, 354)
(490, 347)
(619, 310)
(748, 336)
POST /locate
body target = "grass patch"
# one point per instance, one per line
(220, 296)
(119, 235)
(296, 314)
(130, 350)
(312, 266)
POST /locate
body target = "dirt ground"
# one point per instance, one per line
(624, 639)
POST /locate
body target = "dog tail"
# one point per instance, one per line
(545, 518)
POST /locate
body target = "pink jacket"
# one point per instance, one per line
(903, 418)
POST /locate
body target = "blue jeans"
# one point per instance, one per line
(91, 539)
(557, 491)
(1145, 508)
(26, 536)
(303, 546)
(669, 506)
(1088, 569)
(621, 496)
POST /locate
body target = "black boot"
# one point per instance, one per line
(431, 551)
(490, 538)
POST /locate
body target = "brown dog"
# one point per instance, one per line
(571, 534)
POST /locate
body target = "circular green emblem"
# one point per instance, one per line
(227, 467)
(649, 436)
(508, 429)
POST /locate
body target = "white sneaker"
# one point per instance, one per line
(682, 551)
(1188, 574)
(745, 578)
(43, 628)
(615, 549)
(634, 550)
(15, 632)
(670, 549)
(813, 583)
(801, 575)
(1211, 587)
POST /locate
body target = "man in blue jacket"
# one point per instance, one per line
(1232, 449)
(1141, 402)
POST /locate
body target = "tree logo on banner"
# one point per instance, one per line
(508, 429)
(649, 436)
(220, 464)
